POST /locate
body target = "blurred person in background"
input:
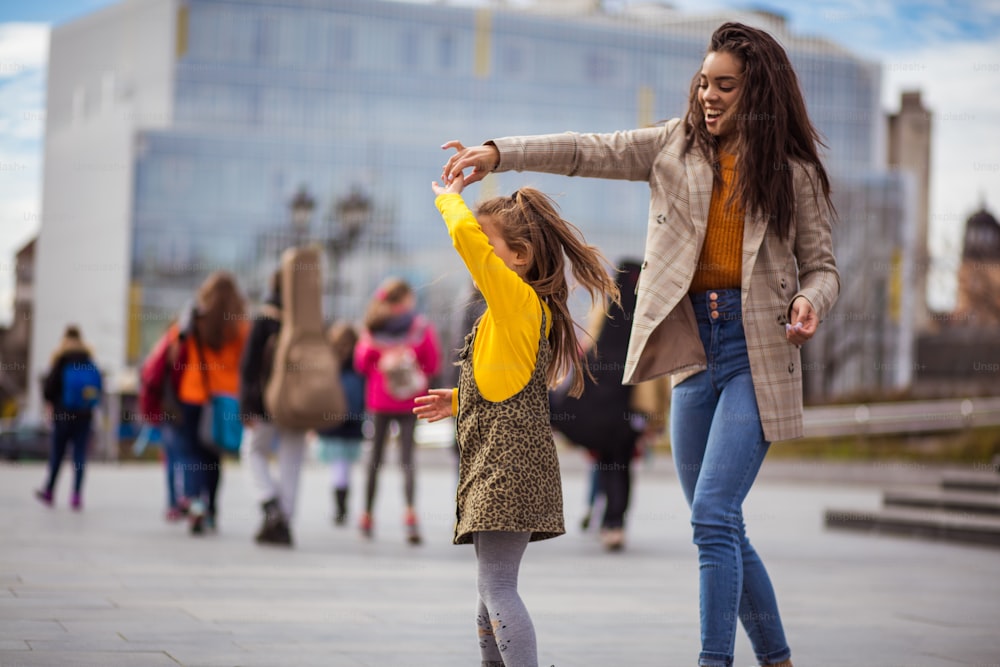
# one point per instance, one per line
(159, 407)
(397, 352)
(218, 334)
(262, 438)
(72, 389)
(340, 447)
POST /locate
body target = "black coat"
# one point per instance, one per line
(255, 364)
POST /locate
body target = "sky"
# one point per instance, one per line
(947, 49)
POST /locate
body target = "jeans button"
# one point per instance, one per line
(713, 296)
(715, 314)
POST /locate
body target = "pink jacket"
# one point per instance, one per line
(368, 352)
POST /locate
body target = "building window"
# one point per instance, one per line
(511, 60)
(600, 67)
(341, 46)
(409, 50)
(446, 51)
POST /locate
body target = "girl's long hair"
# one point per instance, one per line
(771, 123)
(530, 224)
(220, 310)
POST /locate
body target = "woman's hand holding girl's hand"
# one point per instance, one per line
(482, 159)
(454, 187)
(434, 406)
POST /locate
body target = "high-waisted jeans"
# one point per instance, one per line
(718, 448)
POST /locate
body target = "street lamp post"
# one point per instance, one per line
(302, 207)
(347, 218)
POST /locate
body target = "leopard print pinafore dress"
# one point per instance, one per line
(508, 473)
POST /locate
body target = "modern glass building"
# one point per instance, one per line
(192, 124)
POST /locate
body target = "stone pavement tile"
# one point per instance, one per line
(26, 629)
(82, 659)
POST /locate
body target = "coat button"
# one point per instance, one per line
(791, 368)
(660, 219)
(784, 283)
(645, 264)
(781, 319)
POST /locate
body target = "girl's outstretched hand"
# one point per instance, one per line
(435, 405)
(482, 159)
(454, 187)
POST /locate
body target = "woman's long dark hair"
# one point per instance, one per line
(772, 126)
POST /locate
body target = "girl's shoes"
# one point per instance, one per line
(365, 524)
(196, 518)
(412, 531)
(44, 497)
(76, 502)
(613, 539)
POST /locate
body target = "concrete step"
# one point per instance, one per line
(935, 524)
(985, 481)
(970, 502)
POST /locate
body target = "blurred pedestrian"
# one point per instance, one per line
(509, 488)
(159, 407)
(397, 352)
(72, 389)
(262, 438)
(738, 274)
(212, 351)
(608, 419)
(340, 447)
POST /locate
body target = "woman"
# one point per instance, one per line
(72, 389)
(213, 346)
(738, 273)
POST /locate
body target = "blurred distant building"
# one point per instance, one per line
(960, 356)
(15, 340)
(179, 131)
(909, 150)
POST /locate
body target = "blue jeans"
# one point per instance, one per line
(69, 428)
(172, 462)
(202, 467)
(718, 448)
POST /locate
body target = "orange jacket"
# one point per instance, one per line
(221, 369)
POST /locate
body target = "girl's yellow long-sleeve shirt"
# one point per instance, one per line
(507, 339)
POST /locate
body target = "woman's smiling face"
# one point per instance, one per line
(718, 92)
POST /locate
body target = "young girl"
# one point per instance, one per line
(341, 446)
(509, 488)
(398, 349)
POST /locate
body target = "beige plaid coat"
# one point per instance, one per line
(664, 337)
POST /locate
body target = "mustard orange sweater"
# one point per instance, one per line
(721, 263)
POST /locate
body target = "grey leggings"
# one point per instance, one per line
(406, 422)
(506, 634)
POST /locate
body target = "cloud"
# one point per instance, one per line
(24, 49)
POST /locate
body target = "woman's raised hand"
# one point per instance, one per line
(482, 160)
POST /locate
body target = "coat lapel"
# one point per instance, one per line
(700, 178)
(753, 235)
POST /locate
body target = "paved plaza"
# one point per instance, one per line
(116, 585)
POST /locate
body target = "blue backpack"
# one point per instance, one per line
(81, 384)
